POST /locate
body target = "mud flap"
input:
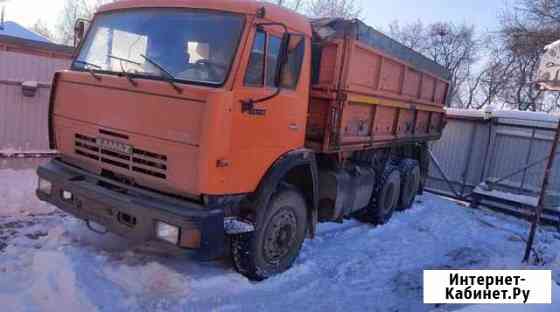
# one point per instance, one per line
(212, 244)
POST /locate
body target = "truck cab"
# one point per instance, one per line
(184, 122)
(189, 137)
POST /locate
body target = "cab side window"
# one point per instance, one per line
(255, 70)
(274, 45)
(292, 70)
(264, 59)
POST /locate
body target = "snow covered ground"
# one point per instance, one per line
(51, 262)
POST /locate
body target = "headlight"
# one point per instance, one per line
(45, 186)
(167, 232)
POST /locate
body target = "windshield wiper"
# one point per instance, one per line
(87, 63)
(93, 74)
(126, 73)
(124, 59)
(170, 78)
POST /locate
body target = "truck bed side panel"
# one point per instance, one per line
(363, 98)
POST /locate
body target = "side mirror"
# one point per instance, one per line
(282, 59)
(79, 31)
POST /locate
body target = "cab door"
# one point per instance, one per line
(262, 132)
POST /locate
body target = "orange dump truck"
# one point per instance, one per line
(236, 126)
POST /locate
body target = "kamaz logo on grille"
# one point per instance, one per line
(114, 145)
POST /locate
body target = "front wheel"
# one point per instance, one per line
(274, 246)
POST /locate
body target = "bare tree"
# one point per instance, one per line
(511, 62)
(73, 10)
(485, 85)
(525, 31)
(42, 29)
(545, 12)
(450, 45)
(296, 5)
(411, 35)
(519, 92)
(347, 9)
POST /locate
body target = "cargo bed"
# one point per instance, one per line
(369, 91)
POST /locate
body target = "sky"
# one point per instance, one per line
(27, 12)
(481, 13)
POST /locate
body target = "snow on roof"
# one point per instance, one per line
(13, 29)
(548, 70)
(536, 116)
(465, 112)
(552, 45)
(506, 114)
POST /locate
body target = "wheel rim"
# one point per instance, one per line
(280, 235)
(413, 185)
(389, 198)
(409, 187)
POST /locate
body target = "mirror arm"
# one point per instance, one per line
(249, 105)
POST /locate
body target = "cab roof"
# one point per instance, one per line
(295, 21)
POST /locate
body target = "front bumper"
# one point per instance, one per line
(132, 212)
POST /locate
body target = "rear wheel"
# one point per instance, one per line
(386, 199)
(410, 185)
(273, 247)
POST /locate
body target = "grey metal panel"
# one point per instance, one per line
(452, 149)
(18, 67)
(508, 156)
(23, 120)
(462, 154)
(552, 194)
(541, 149)
(479, 150)
(459, 140)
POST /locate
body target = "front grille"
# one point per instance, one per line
(139, 161)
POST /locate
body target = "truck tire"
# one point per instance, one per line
(385, 199)
(410, 185)
(274, 246)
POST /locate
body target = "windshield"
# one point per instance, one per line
(191, 46)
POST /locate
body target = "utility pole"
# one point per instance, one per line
(546, 180)
(2, 18)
